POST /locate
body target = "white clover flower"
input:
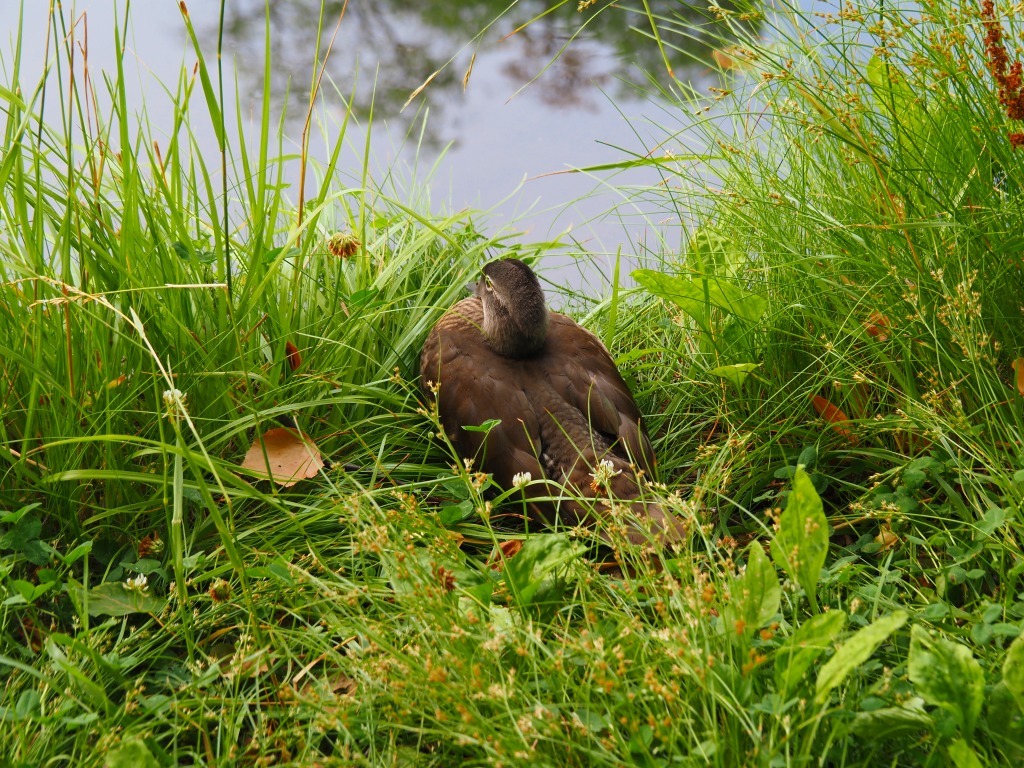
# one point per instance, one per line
(174, 402)
(138, 583)
(604, 471)
(521, 479)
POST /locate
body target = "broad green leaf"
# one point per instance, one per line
(487, 426)
(423, 569)
(736, 374)
(501, 619)
(112, 599)
(756, 594)
(963, 756)
(903, 101)
(9, 518)
(363, 297)
(530, 571)
(729, 298)
(695, 296)
(947, 676)
(808, 457)
(28, 591)
(28, 705)
(130, 754)
(1013, 670)
(1003, 715)
(994, 517)
(882, 724)
(24, 530)
(833, 123)
(683, 293)
(854, 652)
(810, 640)
(801, 544)
(479, 594)
(75, 668)
(712, 254)
(23, 537)
(893, 93)
(77, 553)
(456, 513)
(592, 720)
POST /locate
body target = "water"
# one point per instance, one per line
(538, 101)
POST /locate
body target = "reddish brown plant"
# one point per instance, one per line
(1008, 77)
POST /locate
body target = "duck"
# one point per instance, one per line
(556, 412)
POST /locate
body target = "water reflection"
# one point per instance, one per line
(572, 60)
(505, 145)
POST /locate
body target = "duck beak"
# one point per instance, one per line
(475, 288)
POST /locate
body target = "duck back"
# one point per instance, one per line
(563, 411)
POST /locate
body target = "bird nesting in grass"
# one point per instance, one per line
(568, 426)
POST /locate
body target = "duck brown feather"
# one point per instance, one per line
(563, 408)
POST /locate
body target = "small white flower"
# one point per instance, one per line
(604, 471)
(521, 479)
(138, 583)
(174, 402)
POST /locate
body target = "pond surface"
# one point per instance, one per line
(510, 107)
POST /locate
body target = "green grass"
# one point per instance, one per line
(828, 365)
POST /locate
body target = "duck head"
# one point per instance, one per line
(515, 315)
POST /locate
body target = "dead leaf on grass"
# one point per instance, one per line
(877, 326)
(509, 549)
(1018, 367)
(886, 539)
(292, 354)
(835, 417)
(291, 455)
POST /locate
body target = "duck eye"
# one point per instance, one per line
(488, 283)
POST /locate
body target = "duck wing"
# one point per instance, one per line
(589, 380)
(474, 385)
(558, 414)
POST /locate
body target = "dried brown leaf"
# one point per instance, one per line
(877, 325)
(509, 549)
(291, 454)
(292, 353)
(886, 539)
(1018, 367)
(835, 417)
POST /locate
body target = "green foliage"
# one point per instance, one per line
(804, 646)
(115, 599)
(828, 365)
(756, 594)
(801, 544)
(854, 652)
(533, 576)
(947, 676)
(1013, 670)
(131, 754)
